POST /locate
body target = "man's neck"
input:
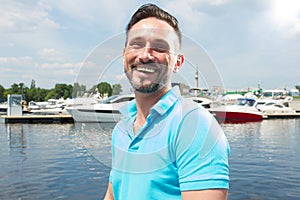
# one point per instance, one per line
(144, 102)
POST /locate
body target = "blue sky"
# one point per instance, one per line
(236, 43)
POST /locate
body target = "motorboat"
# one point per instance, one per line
(49, 111)
(199, 95)
(244, 110)
(280, 95)
(275, 109)
(50, 107)
(203, 101)
(104, 111)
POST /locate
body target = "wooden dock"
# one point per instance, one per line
(34, 119)
(283, 116)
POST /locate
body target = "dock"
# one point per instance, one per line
(34, 119)
(283, 116)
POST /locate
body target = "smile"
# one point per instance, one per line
(144, 69)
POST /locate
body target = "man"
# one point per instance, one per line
(164, 147)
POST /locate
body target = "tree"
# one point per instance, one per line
(36, 94)
(2, 89)
(60, 91)
(116, 89)
(32, 85)
(15, 89)
(40, 94)
(297, 87)
(104, 88)
(78, 90)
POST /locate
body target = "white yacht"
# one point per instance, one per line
(104, 111)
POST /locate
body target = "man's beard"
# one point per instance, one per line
(149, 88)
(146, 88)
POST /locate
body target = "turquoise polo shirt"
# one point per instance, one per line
(181, 147)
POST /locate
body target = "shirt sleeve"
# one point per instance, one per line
(201, 152)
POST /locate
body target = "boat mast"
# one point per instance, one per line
(196, 81)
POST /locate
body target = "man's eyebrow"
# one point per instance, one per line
(161, 41)
(135, 38)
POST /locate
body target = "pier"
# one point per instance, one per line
(283, 116)
(33, 119)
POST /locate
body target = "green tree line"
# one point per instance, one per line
(61, 90)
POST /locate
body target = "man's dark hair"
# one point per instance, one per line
(151, 10)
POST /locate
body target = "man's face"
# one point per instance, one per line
(150, 55)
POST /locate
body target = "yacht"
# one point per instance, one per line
(104, 111)
(244, 110)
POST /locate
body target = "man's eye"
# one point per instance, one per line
(136, 45)
(160, 47)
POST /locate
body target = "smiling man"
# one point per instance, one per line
(150, 55)
(164, 147)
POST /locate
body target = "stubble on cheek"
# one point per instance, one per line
(151, 82)
(144, 84)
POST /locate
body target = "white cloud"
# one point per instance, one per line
(70, 67)
(100, 14)
(20, 16)
(16, 61)
(51, 54)
(47, 40)
(15, 69)
(191, 19)
(286, 15)
(24, 69)
(218, 2)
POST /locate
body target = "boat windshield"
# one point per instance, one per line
(245, 102)
(269, 104)
(109, 99)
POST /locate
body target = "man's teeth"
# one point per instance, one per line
(143, 69)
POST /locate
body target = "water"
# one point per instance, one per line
(52, 162)
(72, 161)
(265, 161)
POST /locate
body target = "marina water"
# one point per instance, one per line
(72, 161)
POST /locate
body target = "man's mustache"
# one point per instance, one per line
(150, 63)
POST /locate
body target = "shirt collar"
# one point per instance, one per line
(165, 103)
(161, 107)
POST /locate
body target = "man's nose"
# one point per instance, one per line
(146, 54)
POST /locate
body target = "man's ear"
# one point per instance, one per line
(123, 53)
(179, 63)
(123, 56)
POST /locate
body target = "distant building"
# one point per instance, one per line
(294, 92)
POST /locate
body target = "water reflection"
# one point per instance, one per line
(51, 161)
(243, 135)
(71, 161)
(264, 157)
(96, 138)
(16, 136)
(279, 127)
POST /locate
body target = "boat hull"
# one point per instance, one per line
(89, 115)
(236, 117)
